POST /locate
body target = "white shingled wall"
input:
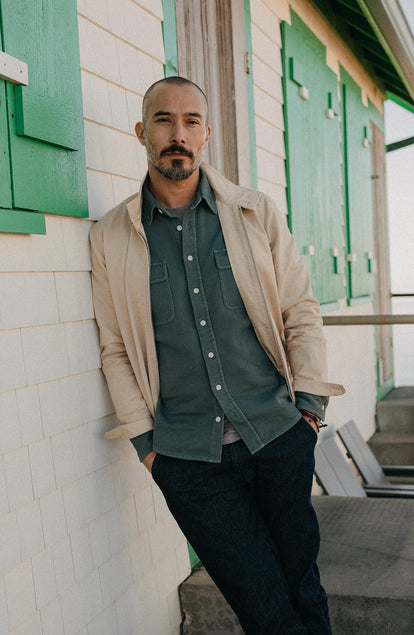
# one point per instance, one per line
(351, 350)
(87, 545)
(268, 99)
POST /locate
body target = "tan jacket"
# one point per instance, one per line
(269, 273)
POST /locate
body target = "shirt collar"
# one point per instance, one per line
(150, 204)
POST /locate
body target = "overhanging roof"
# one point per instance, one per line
(378, 33)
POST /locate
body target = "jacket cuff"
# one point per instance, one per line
(130, 430)
(143, 444)
(314, 387)
(313, 403)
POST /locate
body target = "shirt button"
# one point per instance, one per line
(190, 258)
(218, 419)
(203, 322)
(211, 355)
(196, 290)
(179, 228)
(218, 387)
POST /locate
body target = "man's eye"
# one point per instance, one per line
(193, 122)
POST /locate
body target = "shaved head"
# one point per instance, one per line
(174, 80)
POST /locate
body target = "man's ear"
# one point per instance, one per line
(139, 131)
(208, 133)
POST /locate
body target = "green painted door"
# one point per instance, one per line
(313, 158)
(42, 165)
(358, 183)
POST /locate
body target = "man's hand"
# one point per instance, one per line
(149, 460)
(311, 422)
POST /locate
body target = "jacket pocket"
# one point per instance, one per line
(162, 303)
(231, 296)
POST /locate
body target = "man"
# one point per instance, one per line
(214, 355)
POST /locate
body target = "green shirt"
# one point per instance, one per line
(211, 363)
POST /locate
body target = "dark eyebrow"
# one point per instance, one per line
(163, 113)
(159, 113)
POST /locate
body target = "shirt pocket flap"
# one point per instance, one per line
(222, 259)
(159, 272)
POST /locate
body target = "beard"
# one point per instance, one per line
(176, 171)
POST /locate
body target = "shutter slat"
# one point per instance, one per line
(46, 119)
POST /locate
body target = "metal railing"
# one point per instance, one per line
(358, 320)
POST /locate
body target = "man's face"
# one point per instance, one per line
(174, 132)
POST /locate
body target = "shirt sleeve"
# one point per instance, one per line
(143, 444)
(313, 403)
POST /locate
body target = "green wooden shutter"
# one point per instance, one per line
(5, 184)
(313, 158)
(358, 190)
(169, 34)
(45, 119)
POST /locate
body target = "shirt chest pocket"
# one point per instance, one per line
(230, 293)
(162, 303)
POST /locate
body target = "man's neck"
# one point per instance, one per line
(171, 194)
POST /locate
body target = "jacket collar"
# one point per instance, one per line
(224, 191)
(228, 192)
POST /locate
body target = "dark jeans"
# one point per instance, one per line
(252, 524)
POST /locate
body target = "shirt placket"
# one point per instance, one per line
(203, 323)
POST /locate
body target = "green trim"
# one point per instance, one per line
(250, 96)
(330, 306)
(347, 229)
(284, 25)
(383, 390)
(169, 35)
(363, 299)
(194, 559)
(20, 222)
(401, 102)
(386, 386)
(397, 145)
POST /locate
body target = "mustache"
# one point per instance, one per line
(175, 147)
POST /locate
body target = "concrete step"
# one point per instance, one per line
(395, 413)
(205, 609)
(366, 564)
(366, 567)
(393, 448)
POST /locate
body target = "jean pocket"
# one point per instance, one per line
(155, 465)
(230, 293)
(162, 303)
(309, 429)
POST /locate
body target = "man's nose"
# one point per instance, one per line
(177, 133)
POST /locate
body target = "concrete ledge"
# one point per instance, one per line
(367, 564)
(367, 567)
(392, 448)
(370, 616)
(395, 413)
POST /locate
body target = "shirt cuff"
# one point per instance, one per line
(143, 444)
(315, 404)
